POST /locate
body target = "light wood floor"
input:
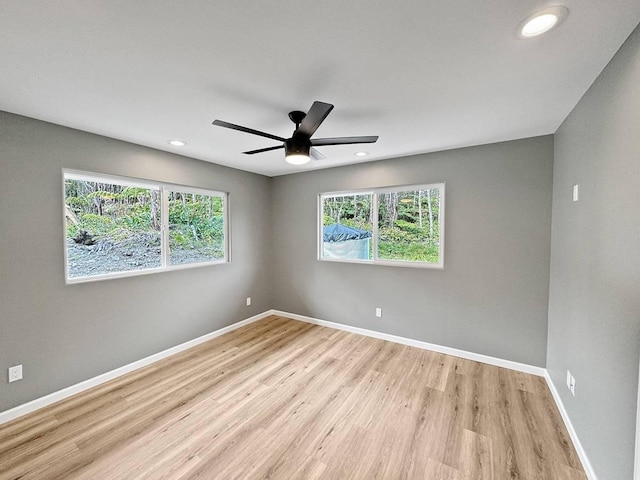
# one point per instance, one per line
(282, 399)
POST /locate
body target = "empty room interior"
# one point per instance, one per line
(328, 240)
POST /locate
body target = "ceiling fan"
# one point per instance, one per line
(299, 148)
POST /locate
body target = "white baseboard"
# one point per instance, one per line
(498, 362)
(54, 397)
(38, 403)
(636, 463)
(586, 464)
(520, 367)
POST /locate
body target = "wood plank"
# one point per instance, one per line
(285, 399)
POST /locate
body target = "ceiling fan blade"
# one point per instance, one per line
(343, 140)
(260, 150)
(232, 126)
(315, 154)
(314, 117)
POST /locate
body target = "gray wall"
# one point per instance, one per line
(64, 334)
(491, 298)
(594, 305)
(492, 295)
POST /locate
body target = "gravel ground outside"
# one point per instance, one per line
(129, 255)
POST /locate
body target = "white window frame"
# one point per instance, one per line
(375, 192)
(162, 188)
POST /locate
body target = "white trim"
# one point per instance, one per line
(636, 464)
(64, 225)
(375, 194)
(520, 367)
(226, 212)
(478, 357)
(163, 188)
(586, 464)
(71, 174)
(36, 404)
(54, 397)
(348, 193)
(137, 182)
(144, 271)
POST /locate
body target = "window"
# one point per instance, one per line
(117, 226)
(392, 226)
(196, 227)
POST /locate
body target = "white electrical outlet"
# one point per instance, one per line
(571, 383)
(248, 301)
(576, 193)
(15, 373)
(378, 312)
(572, 387)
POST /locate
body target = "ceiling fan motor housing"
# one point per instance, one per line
(297, 145)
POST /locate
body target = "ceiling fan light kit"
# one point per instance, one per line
(541, 21)
(297, 159)
(296, 150)
(299, 148)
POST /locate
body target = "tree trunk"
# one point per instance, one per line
(429, 206)
(154, 210)
(70, 215)
(97, 201)
(394, 208)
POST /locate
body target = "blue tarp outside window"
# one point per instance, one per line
(342, 242)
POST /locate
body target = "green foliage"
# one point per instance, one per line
(196, 221)
(414, 252)
(120, 213)
(101, 194)
(96, 224)
(354, 208)
(77, 203)
(134, 193)
(72, 230)
(408, 221)
(409, 227)
(357, 223)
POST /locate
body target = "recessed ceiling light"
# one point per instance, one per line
(177, 143)
(361, 154)
(541, 21)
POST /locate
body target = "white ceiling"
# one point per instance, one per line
(424, 75)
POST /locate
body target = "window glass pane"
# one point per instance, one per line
(409, 225)
(196, 228)
(110, 227)
(347, 226)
